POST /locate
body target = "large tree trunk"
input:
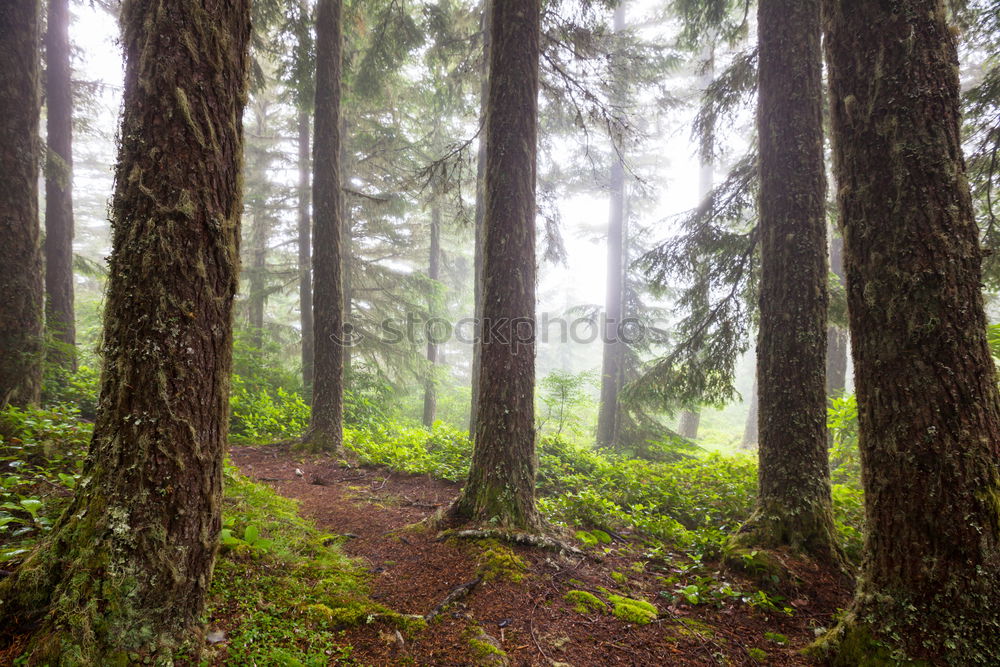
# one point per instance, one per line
(59, 188)
(501, 486)
(480, 213)
(326, 427)
(305, 252)
(433, 272)
(611, 364)
(793, 503)
(126, 570)
(21, 291)
(837, 339)
(928, 407)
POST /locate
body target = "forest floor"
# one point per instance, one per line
(521, 616)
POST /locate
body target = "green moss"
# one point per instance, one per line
(291, 600)
(584, 602)
(690, 627)
(587, 539)
(483, 648)
(639, 612)
(619, 578)
(497, 561)
(757, 654)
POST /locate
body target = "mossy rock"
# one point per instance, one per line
(584, 602)
(499, 562)
(630, 610)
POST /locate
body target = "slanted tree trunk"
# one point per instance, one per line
(480, 213)
(21, 285)
(501, 485)
(59, 188)
(124, 575)
(611, 364)
(836, 336)
(433, 272)
(305, 252)
(326, 426)
(793, 504)
(928, 407)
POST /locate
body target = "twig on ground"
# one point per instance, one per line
(454, 595)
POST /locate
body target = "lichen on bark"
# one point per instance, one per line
(123, 576)
(928, 405)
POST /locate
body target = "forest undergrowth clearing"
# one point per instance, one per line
(533, 607)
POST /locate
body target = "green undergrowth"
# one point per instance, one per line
(41, 455)
(693, 503)
(287, 583)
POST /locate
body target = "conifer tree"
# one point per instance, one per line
(124, 574)
(928, 405)
(21, 284)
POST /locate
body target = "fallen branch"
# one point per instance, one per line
(454, 595)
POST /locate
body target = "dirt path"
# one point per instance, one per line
(529, 620)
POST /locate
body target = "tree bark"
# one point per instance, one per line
(326, 427)
(305, 252)
(750, 437)
(837, 339)
(433, 272)
(21, 284)
(260, 228)
(485, 27)
(501, 485)
(611, 364)
(347, 241)
(59, 188)
(124, 575)
(928, 406)
(794, 507)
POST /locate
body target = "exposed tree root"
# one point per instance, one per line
(524, 539)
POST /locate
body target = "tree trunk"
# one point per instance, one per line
(59, 188)
(305, 252)
(326, 427)
(501, 485)
(611, 365)
(21, 285)
(750, 436)
(347, 241)
(793, 503)
(837, 339)
(433, 272)
(691, 417)
(928, 407)
(260, 229)
(124, 575)
(485, 26)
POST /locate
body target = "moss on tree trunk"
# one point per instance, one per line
(125, 572)
(928, 407)
(21, 291)
(326, 425)
(501, 485)
(794, 505)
